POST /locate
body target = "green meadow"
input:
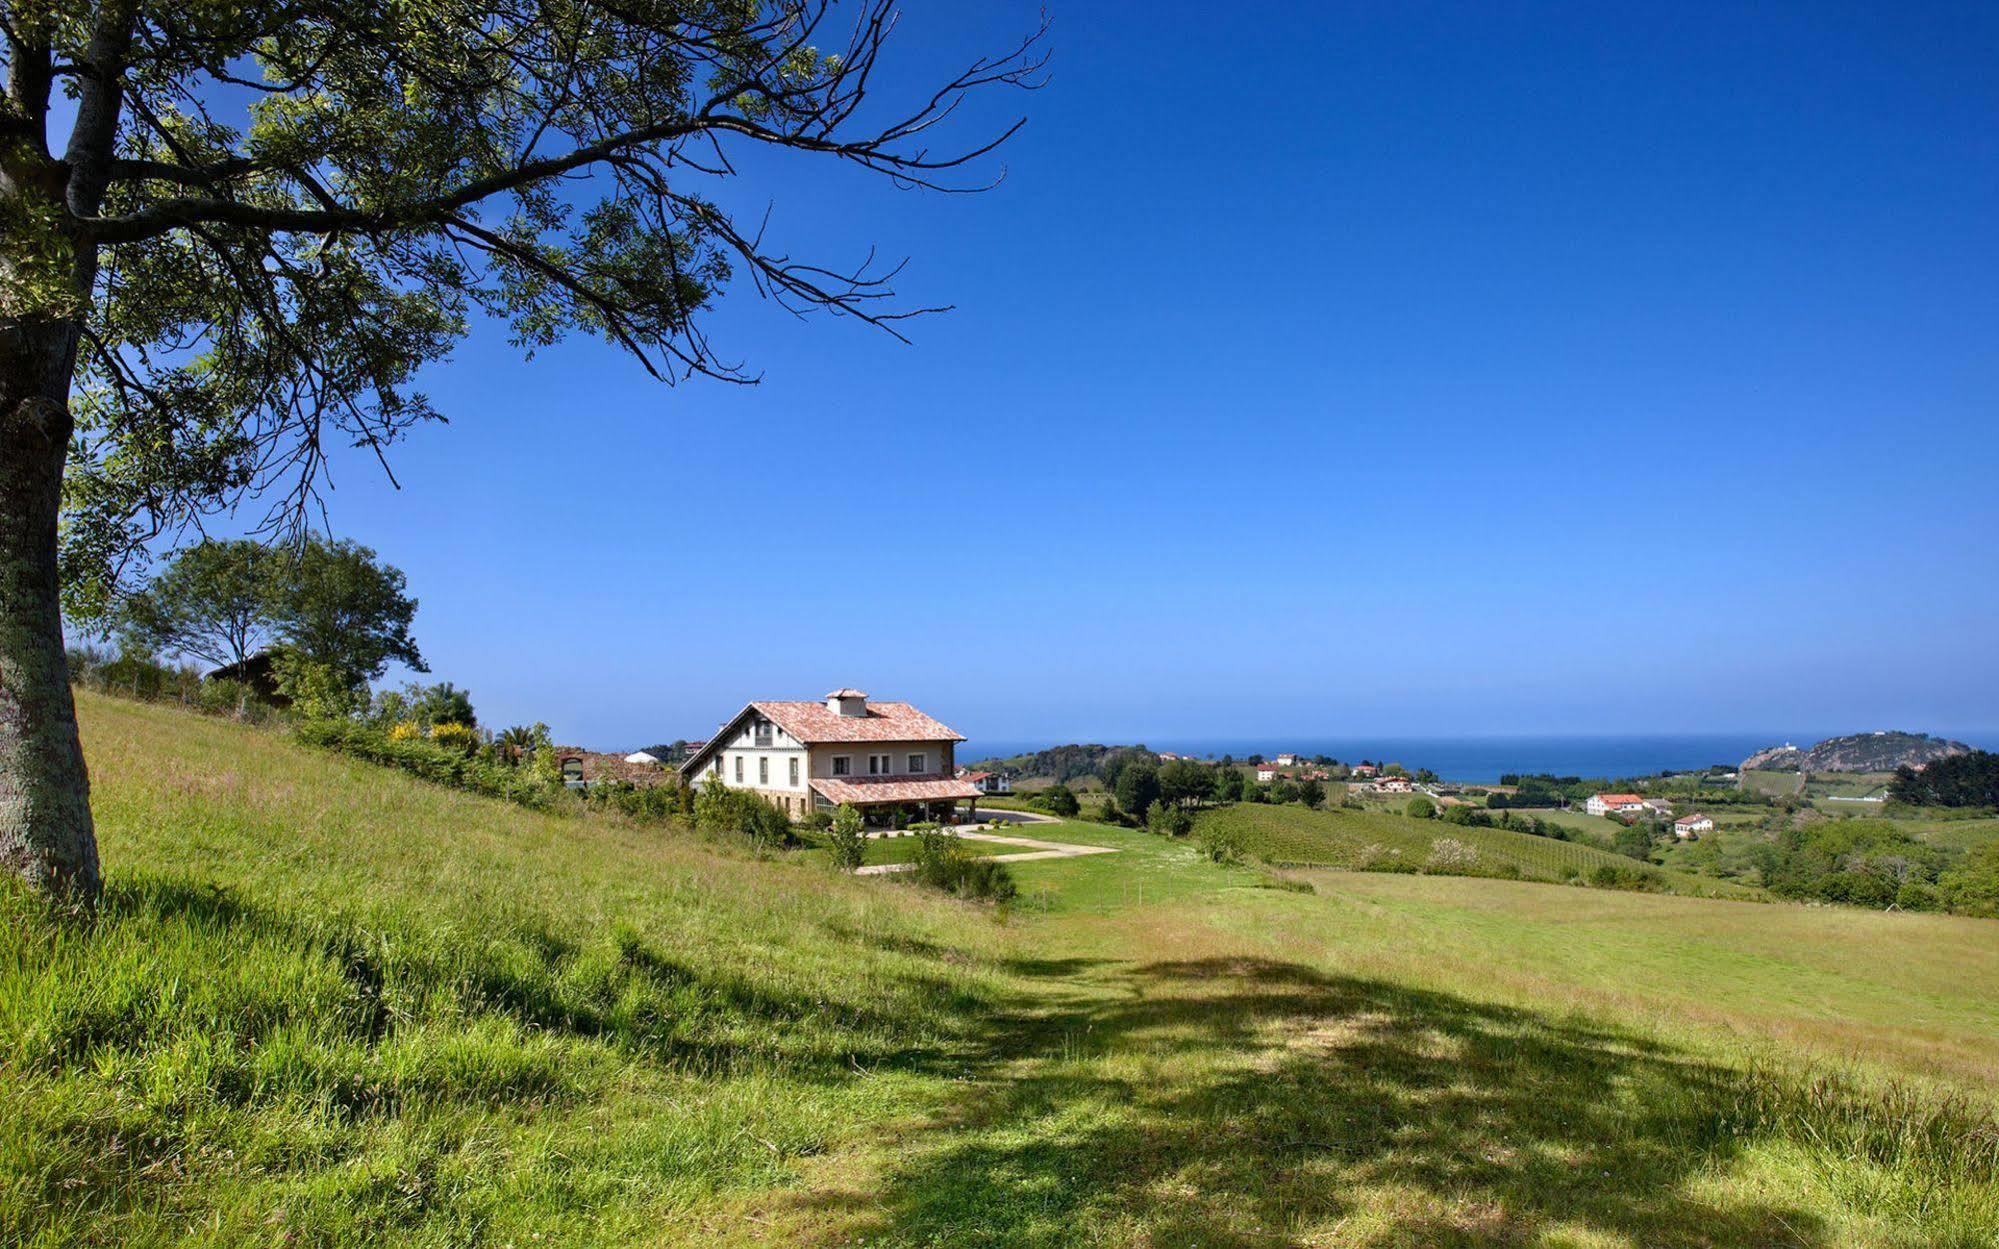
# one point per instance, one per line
(325, 1004)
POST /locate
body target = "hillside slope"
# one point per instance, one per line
(1291, 835)
(1857, 752)
(329, 1005)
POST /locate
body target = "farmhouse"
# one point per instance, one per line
(1267, 772)
(1690, 827)
(886, 758)
(1287, 761)
(1614, 804)
(987, 782)
(1394, 785)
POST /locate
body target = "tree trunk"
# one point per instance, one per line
(46, 833)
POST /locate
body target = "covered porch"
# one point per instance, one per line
(899, 801)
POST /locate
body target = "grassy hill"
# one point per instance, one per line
(326, 1004)
(1295, 836)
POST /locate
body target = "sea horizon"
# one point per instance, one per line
(1483, 757)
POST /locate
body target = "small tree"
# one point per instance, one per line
(1060, 800)
(1312, 794)
(1138, 787)
(847, 838)
(1168, 819)
(1419, 808)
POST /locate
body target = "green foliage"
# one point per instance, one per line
(1419, 808)
(1222, 843)
(440, 704)
(943, 863)
(1634, 841)
(1137, 786)
(1312, 794)
(1168, 819)
(847, 838)
(317, 690)
(741, 813)
(1059, 800)
(1972, 887)
(1967, 780)
(442, 765)
(1858, 862)
(224, 601)
(1184, 781)
(665, 802)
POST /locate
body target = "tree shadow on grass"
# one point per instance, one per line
(1249, 1102)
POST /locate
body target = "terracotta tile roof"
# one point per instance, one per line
(861, 790)
(1621, 800)
(813, 723)
(973, 776)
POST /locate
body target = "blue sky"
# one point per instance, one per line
(1399, 369)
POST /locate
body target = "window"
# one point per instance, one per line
(715, 767)
(739, 769)
(761, 733)
(916, 764)
(842, 764)
(794, 770)
(763, 769)
(878, 765)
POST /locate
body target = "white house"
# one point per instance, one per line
(1287, 761)
(1267, 772)
(886, 758)
(1614, 804)
(1692, 826)
(1394, 785)
(986, 782)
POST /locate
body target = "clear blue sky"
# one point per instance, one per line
(1399, 369)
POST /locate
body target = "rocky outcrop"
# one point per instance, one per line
(1858, 752)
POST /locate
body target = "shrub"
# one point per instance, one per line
(1312, 794)
(1168, 820)
(846, 838)
(1610, 876)
(646, 804)
(1221, 844)
(1419, 808)
(738, 812)
(407, 749)
(1448, 854)
(942, 863)
(452, 735)
(1060, 800)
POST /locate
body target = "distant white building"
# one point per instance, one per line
(987, 782)
(1287, 761)
(1690, 827)
(1614, 804)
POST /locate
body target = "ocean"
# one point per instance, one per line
(1480, 758)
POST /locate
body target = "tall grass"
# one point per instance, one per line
(325, 1004)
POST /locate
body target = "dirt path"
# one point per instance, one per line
(1035, 850)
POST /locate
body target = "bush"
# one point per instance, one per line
(943, 863)
(741, 813)
(1221, 844)
(1168, 820)
(455, 736)
(1419, 808)
(408, 750)
(1312, 794)
(1609, 876)
(1060, 800)
(846, 838)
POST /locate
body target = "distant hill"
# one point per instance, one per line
(1857, 752)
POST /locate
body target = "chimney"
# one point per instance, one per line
(847, 703)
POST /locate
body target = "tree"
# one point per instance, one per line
(1137, 787)
(1419, 808)
(1184, 781)
(201, 298)
(226, 601)
(1312, 794)
(1060, 800)
(443, 703)
(847, 838)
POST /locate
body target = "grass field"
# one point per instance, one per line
(1293, 835)
(325, 1004)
